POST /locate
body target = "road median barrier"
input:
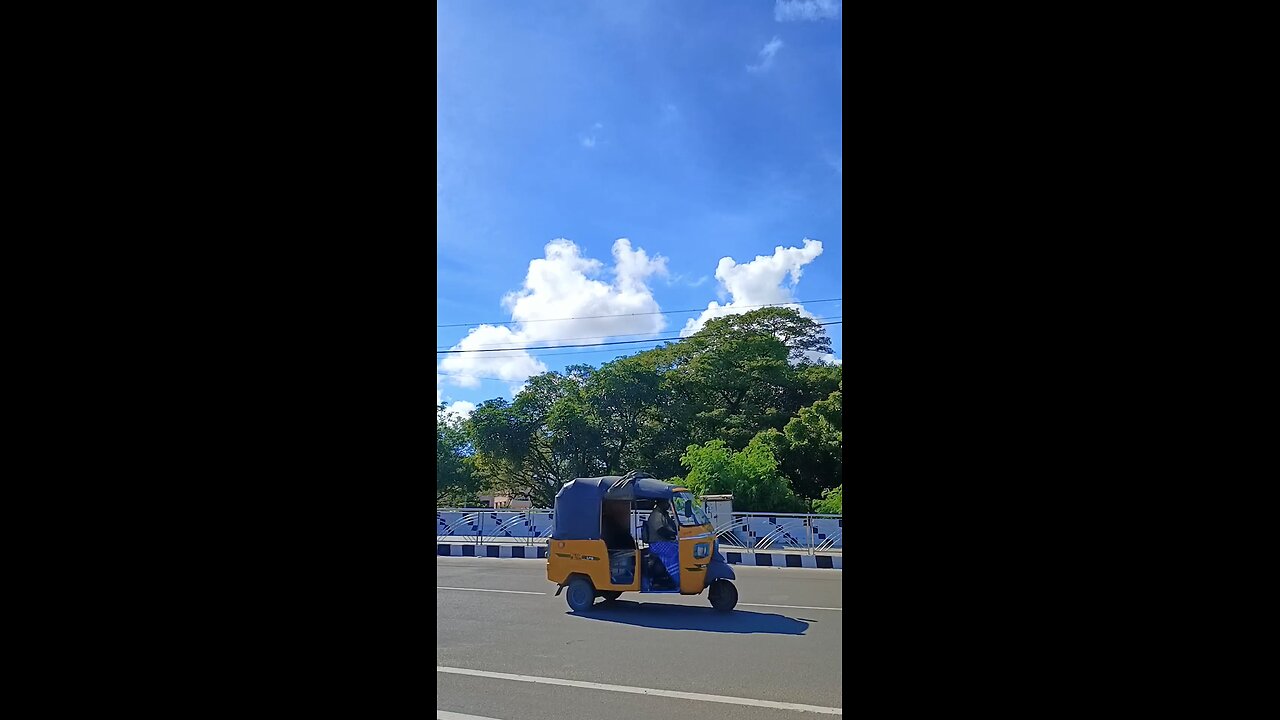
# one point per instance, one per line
(734, 556)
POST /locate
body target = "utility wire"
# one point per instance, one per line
(602, 337)
(658, 312)
(556, 354)
(558, 347)
(473, 377)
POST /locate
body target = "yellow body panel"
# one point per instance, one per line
(693, 573)
(697, 531)
(588, 557)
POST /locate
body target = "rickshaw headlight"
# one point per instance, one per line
(701, 550)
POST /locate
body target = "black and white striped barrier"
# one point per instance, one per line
(768, 559)
(505, 551)
(534, 552)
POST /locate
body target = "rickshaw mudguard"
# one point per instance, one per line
(719, 571)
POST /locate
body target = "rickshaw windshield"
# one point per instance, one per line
(688, 511)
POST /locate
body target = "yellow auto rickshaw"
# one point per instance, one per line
(594, 553)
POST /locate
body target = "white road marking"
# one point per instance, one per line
(446, 715)
(644, 691)
(794, 607)
(526, 592)
(513, 592)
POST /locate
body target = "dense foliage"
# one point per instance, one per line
(832, 501)
(750, 474)
(457, 482)
(737, 405)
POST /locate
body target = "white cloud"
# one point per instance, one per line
(767, 53)
(461, 408)
(788, 10)
(561, 284)
(564, 284)
(759, 282)
(824, 358)
(588, 141)
(467, 369)
(700, 281)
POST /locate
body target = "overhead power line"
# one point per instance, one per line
(603, 337)
(658, 312)
(557, 347)
(589, 352)
(473, 377)
(586, 352)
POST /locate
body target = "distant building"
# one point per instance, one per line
(719, 508)
(505, 501)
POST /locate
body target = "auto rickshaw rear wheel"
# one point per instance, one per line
(723, 595)
(610, 595)
(581, 594)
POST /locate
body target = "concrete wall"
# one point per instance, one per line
(748, 529)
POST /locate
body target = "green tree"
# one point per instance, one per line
(742, 374)
(730, 382)
(457, 482)
(740, 378)
(541, 440)
(799, 334)
(832, 501)
(622, 397)
(813, 382)
(750, 474)
(814, 447)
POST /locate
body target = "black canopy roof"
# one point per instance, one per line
(577, 512)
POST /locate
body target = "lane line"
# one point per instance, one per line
(644, 691)
(446, 715)
(794, 607)
(526, 592)
(513, 592)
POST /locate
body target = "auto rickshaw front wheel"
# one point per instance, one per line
(723, 595)
(581, 594)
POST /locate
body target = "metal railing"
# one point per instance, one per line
(477, 525)
(745, 532)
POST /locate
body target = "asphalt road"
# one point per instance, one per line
(659, 644)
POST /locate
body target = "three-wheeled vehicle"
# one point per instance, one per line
(594, 554)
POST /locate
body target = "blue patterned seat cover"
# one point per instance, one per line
(669, 554)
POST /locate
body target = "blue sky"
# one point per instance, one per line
(696, 130)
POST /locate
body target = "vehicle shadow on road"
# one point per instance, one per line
(684, 617)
